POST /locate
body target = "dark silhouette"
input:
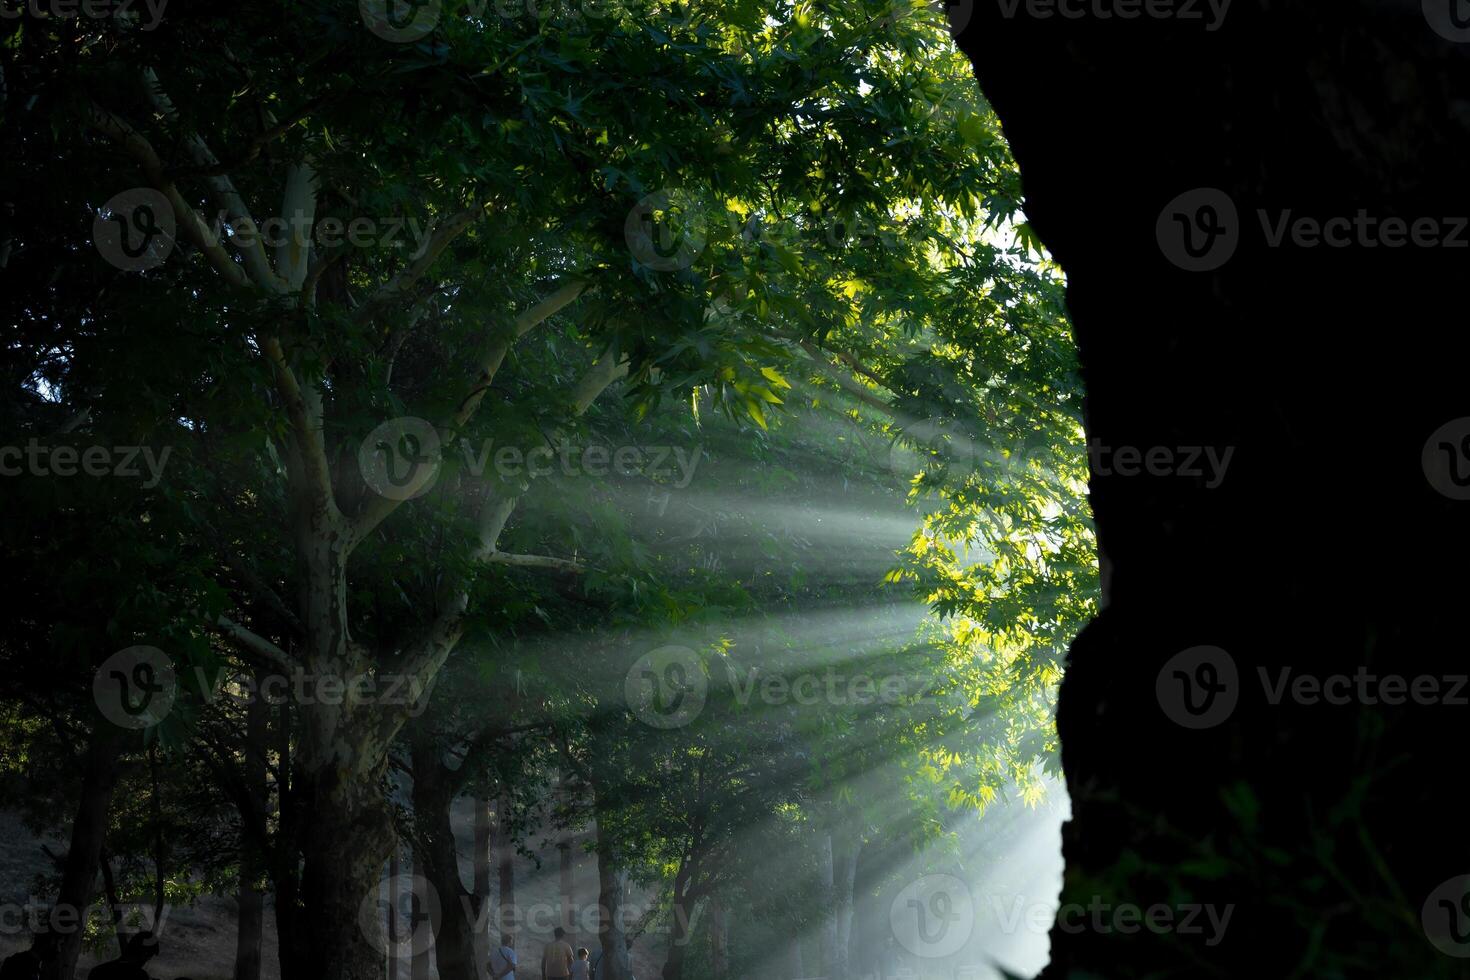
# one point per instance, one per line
(139, 949)
(27, 964)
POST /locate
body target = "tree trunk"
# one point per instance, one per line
(291, 938)
(719, 940)
(482, 886)
(394, 870)
(795, 968)
(342, 760)
(251, 920)
(436, 859)
(611, 881)
(505, 852)
(568, 911)
(846, 875)
(79, 876)
(681, 909)
(827, 872)
(348, 837)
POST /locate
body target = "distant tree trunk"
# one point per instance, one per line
(505, 853)
(719, 941)
(421, 961)
(611, 880)
(482, 886)
(391, 967)
(251, 928)
(89, 827)
(114, 904)
(828, 883)
(795, 969)
(291, 939)
(845, 877)
(681, 909)
(568, 911)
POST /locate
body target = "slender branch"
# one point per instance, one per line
(190, 223)
(537, 561)
(253, 643)
(399, 286)
(226, 196)
(298, 210)
(309, 444)
(379, 508)
(260, 141)
(566, 293)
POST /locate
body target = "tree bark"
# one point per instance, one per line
(719, 941)
(827, 872)
(611, 882)
(505, 852)
(568, 910)
(89, 828)
(348, 838)
(483, 825)
(437, 859)
(795, 968)
(250, 929)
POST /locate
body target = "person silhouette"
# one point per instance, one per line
(139, 949)
(28, 963)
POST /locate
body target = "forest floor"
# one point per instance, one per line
(198, 941)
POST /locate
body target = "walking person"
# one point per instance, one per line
(503, 959)
(556, 958)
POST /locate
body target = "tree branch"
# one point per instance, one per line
(310, 449)
(227, 197)
(379, 508)
(537, 561)
(252, 643)
(398, 286)
(192, 226)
